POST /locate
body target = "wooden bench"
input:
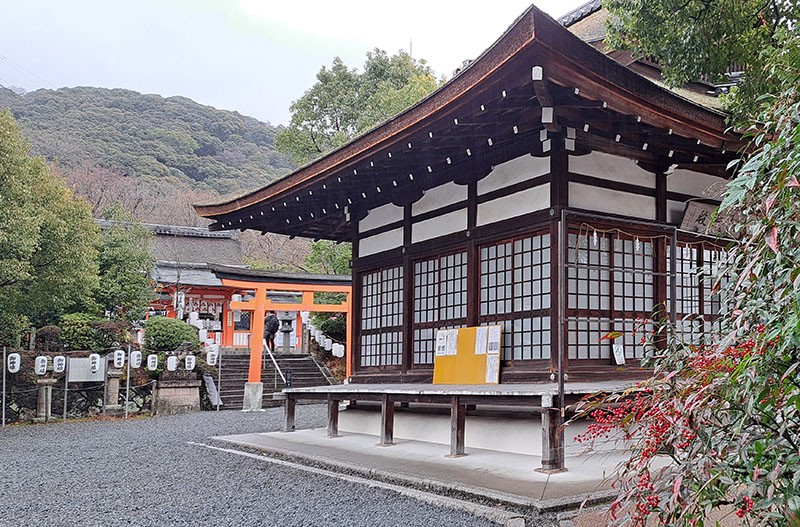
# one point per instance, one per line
(537, 397)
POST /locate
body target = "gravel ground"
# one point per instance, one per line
(143, 472)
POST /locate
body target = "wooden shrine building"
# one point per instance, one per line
(541, 189)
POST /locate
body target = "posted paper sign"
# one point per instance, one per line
(481, 337)
(441, 343)
(452, 341)
(619, 354)
(492, 368)
(494, 340)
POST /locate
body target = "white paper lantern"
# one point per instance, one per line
(94, 363)
(152, 362)
(338, 350)
(202, 335)
(327, 344)
(304, 316)
(40, 365)
(14, 362)
(211, 358)
(59, 363)
(135, 360)
(172, 363)
(189, 362)
(119, 358)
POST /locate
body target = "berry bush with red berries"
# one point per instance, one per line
(717, 426)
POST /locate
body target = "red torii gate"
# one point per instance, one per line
(260, 305)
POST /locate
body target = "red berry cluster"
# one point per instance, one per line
(747, 506)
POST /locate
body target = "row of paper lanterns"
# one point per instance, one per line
(14, 362)
(326, 342)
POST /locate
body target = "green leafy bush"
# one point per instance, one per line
(78, 332)
(166, 334)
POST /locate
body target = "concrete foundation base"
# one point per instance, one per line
(253, 397)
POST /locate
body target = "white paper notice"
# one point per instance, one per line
(452, 341)
(619, 354)
(481, 334)
(494, 340)
(441, 343)
(492, 368)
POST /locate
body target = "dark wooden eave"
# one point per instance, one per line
(256, 275)
(497, 109)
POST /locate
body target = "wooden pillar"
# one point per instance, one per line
(257, 336)
(387, 421)
(458, 414)
(288, 414)
(333, 417)
(552, 438)
(350, 338)
(407, 348)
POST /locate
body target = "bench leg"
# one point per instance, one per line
(387, 421)
(458, 414)
(333, 417)
(552, 442)
(288, 414)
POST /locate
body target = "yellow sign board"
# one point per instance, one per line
(468, 355)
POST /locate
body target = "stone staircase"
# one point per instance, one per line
(302, 369)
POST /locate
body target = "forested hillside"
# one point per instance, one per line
(149, 137)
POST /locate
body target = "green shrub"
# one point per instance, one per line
(12, 326)
(166, 334)
(333, 325)
(78, 332)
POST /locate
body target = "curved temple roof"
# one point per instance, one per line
(537, 82)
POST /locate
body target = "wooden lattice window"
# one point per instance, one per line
(515, 293)
(697, 300)
(440, 300)
(611, 281)
(382, 318)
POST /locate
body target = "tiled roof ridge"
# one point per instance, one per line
(175, 230)
(579, 13)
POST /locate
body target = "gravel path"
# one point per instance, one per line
(142, 472)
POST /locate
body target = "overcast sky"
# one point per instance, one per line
(252, 56)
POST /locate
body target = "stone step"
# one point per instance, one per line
(235, 369)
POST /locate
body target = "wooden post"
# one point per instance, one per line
(387, 421)
(333, 417)
(552, 438)
(288, 413)
(458, 414)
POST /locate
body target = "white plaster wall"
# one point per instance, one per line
(696, 184)
(675, 211)
(439, 226)
(614, 168)
(380, 242)
(378, 217)
(612, 201)
(517, 204)
(439, 197)
(521, 436)
(514, 171)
